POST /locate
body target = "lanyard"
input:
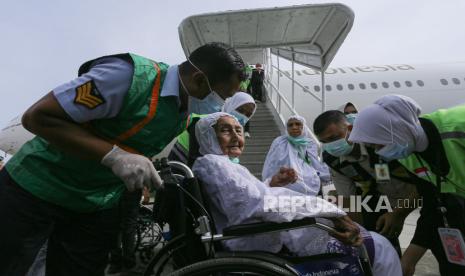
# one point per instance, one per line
(441, 208)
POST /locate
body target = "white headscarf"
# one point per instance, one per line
(283, 154)
(391, 119)
(343, 107)
(206, 135)
(236, 101)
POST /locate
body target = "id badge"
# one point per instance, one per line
(453, 244)
(382, 172)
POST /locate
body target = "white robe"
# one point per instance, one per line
(237, 197)
(310, 176)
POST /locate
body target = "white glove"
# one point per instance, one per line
(135, 170)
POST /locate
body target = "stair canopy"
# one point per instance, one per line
(313, 33)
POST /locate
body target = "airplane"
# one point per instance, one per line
(433, 86)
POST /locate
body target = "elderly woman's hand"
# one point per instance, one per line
(283, 177)
(347, 231)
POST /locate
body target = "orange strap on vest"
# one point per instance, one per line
(152, 110)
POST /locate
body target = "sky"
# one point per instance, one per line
(44, 42)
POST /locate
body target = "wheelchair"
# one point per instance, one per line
(148, 234)
(193, 248)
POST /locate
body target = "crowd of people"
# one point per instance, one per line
(71, 195)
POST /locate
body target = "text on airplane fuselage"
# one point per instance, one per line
(349, 70)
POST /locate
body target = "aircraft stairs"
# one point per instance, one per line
(264, 128)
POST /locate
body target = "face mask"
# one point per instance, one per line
(394, 151)
(235, 160)
(210, 104)
(338, 148)
(240, 117)
(351, 118)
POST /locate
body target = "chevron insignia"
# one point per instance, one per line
(88, 95)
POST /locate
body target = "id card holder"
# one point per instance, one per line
(453, 244)
(382, 173)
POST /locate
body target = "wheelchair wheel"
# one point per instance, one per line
(167, 259)
(233, 266)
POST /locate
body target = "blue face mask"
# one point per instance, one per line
(338, 148)
(394, 151)
(351, 118)
(210, 104)
(240, 117)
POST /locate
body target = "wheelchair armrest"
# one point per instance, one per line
(264, 227)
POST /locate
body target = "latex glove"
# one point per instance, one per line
(135, 170)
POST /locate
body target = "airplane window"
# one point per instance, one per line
(351, 86)
(373, 85)
(420, 83)
(316, 88)
(385, 84)
(362, 86)
(444, 82)
(408, 83)
(339, 87)
(455, 80)
(396, 84)
(328, 87)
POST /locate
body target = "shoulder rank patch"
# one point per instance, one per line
(88, 95)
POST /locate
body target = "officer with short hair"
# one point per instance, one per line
(95, 137)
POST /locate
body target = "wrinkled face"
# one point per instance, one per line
(246, 109)
(295, 127)
(230, 136)
(335, 132)
(350, 109)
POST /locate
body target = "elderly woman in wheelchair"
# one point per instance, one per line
(236, 197)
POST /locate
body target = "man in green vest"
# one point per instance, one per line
(433, 148)
(95, 135)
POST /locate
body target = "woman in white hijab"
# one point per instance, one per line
(350, 110)
(242, 106)
(299, 151)
(432, 147)
(237, 197)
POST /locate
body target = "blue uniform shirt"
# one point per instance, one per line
(112, 77)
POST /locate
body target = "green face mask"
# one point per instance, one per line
(235, 160)
(338, 148)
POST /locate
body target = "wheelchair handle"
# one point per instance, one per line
(183, 167)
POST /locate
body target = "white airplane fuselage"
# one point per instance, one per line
(433, 86)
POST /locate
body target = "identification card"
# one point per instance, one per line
(453, 244)
(382, 173)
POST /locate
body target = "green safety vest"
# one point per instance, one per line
(451, 126)
(145, 124)
(183, 138)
